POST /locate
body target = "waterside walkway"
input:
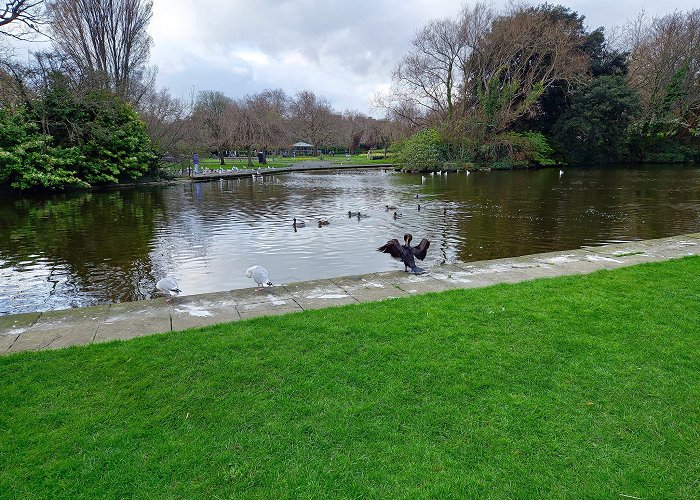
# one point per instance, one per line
(304, 166)
(56, 329)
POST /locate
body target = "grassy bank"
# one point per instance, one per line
(583, 387)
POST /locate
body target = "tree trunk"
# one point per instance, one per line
(250, 158)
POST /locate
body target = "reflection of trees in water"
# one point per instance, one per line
(98, 240)
(509, 213)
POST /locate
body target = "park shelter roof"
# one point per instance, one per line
(302, 145)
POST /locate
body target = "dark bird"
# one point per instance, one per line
(390, 207)
(397, 216)
(323, 222)
(353, 214)
(298, 223)
(406, 253)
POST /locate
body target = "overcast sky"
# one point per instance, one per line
(343, 50)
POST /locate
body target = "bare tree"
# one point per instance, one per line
(665, 63)
(212, 114)
(524, 53)
(106, 39)
(433, 79)
(258, 121)
(164, 117)
(312, 119)
(22, 18)
(427, 75)
(353, 126)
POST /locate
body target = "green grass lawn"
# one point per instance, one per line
(576, 387)
(279, 161)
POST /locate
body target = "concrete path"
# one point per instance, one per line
(56, 329)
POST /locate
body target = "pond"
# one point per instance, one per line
(100, 247)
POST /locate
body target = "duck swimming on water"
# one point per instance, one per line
(406, 253)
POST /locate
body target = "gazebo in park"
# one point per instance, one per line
(302, 149)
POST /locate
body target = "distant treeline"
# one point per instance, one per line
(527, 86)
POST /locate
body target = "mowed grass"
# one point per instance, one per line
(576, 387)
(280, 161)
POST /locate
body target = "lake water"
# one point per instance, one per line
(100, 247)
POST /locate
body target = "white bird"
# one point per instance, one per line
(561, 172)
(259, 275)
(467, 172)
(422, 179)
(169, 287)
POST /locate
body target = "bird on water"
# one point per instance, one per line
(259, 275)
(168, 286)
(406, 253)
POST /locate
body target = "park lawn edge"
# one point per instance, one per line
(571, 386)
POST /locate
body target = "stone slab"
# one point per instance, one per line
(134, 319)
(416, 283)
(318, 294)
(248, 311)
(62, 328)
(203, 310)
(17, 323)
(268, 294)
(369, 288)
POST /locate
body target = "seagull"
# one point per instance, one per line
(260, 275)
(406, 252)
(169, 287)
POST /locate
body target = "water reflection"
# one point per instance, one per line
(88, 248)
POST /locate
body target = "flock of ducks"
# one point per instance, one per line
(405, 253)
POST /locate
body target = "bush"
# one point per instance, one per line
(27, 159)
(95, 139)
(516, 149)
(423, 151)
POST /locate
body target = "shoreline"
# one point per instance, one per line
(68, 327)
